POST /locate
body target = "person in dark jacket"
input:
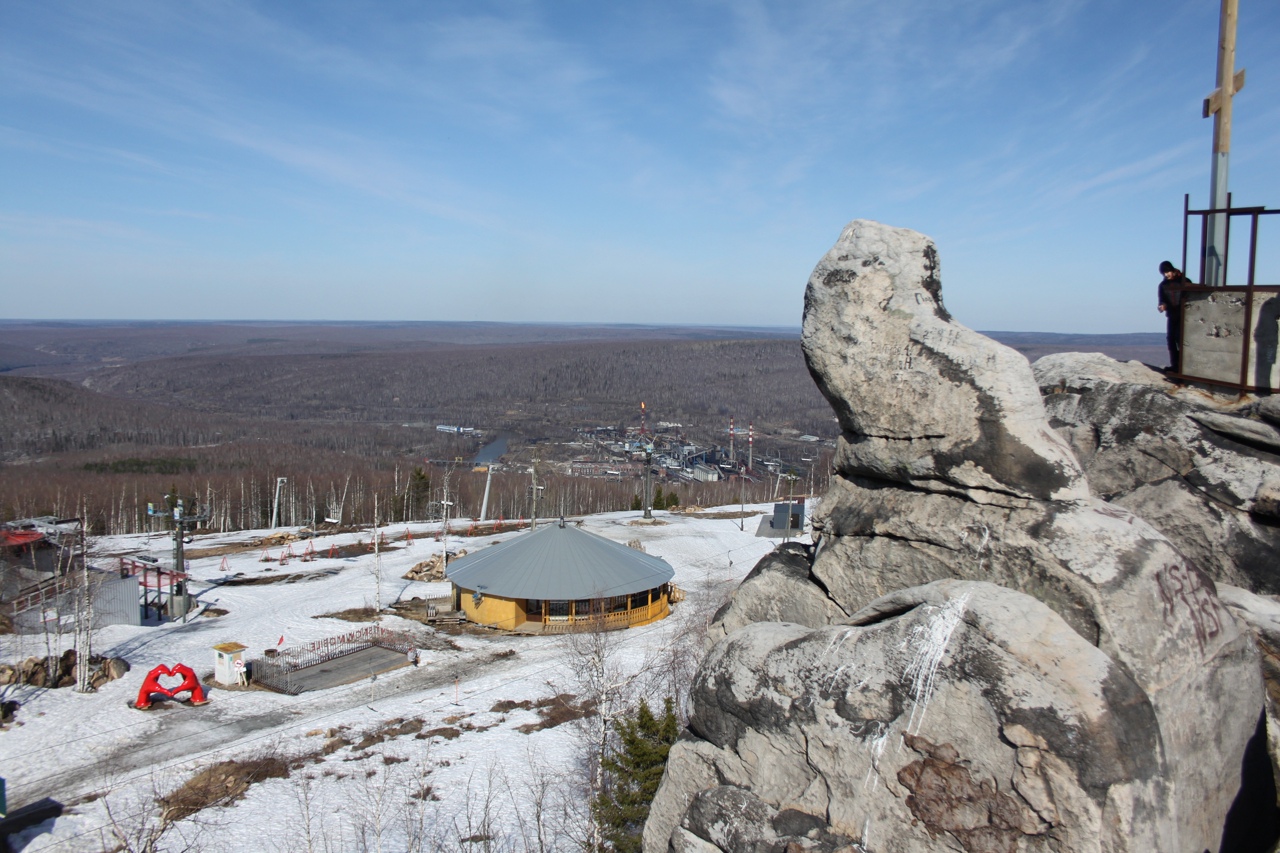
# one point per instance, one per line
(1171, 306)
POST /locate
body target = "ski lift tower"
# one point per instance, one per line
(275, 509)
(535, 492)
(185, 519)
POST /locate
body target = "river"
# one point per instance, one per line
(491, 451)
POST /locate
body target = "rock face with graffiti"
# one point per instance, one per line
(983, 655)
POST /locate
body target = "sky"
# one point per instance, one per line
(572, 161)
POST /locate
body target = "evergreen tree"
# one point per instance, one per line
(632, 775)
(417, 495)
(636, 503)
(659, 502)
(672, 500)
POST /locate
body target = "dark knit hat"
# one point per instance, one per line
(1167, 266)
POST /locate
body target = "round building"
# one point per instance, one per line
(559, 578)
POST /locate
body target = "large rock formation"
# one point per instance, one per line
(1199, 469)
(1013, 664)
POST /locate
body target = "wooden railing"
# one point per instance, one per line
(605, 621)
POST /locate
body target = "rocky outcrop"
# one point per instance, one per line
(1268, 408)
(1027, 666)
(958, 715)
(1199, 470)
(923, 401)
(781, 588)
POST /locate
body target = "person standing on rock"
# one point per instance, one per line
(1171, 306)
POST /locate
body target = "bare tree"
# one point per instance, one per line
(139, 822)
(85, 595)
(599, 674)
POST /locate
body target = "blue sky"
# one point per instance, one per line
(678, 162)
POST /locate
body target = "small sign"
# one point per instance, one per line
(239, 665)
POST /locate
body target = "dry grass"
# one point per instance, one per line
(220, 785)
(446, 732)
(554, 711)
(352, 614)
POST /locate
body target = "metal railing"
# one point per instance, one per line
(275, 672)
(1257, 346)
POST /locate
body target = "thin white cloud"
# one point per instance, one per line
(190, 109)
(16, 138)
(1128, 172)
(63, 229)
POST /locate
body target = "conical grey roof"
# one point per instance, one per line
(559, 563)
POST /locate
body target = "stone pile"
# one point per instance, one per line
(431, 569)
(35, 671)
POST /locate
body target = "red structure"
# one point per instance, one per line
(159, 587)
(152, 685)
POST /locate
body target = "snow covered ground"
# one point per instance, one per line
(488, 781)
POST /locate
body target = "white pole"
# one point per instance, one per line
(275, 510)
(377, 564)
(484, 503)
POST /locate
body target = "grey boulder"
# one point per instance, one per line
(957, 715)
(1204, 477)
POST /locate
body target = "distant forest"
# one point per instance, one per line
(347, 427)
(348, 413)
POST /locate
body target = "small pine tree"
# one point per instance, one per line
(673, 500)
(633, 773)
(659, 502)
(636, 503)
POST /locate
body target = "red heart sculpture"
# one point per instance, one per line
(151, 684)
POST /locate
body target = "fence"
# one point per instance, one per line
(641, 615)
(274, 672)
(1229, 334)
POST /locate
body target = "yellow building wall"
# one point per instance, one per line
(507, 614)
(493, 611)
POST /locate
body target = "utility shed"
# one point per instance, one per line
(225, 669)
(559, 578)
